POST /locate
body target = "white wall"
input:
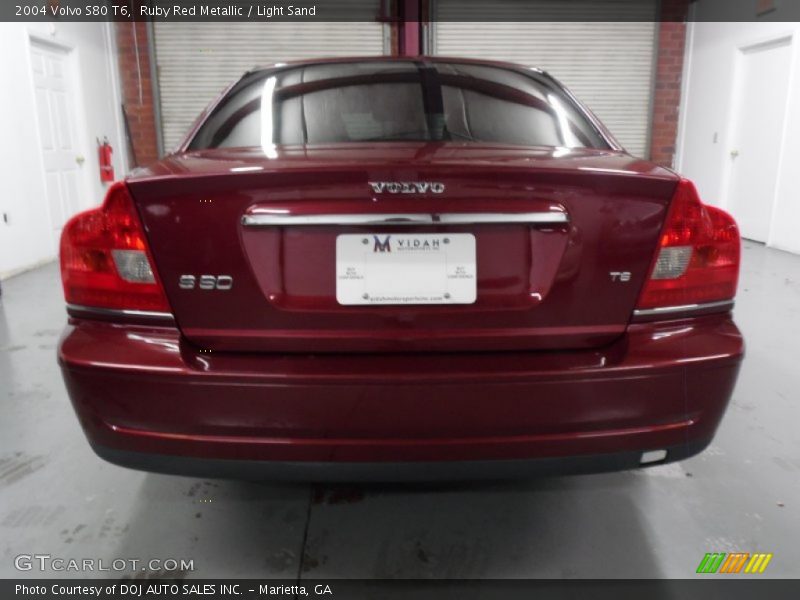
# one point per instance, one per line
(26, 240)
(706, 115)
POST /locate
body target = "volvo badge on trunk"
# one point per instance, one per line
(407, 187)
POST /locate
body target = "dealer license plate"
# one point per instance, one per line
(398, 268)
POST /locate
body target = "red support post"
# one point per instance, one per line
(410, 42)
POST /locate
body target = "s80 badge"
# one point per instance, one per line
(206, 282)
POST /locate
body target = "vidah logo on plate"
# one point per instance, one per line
(382, 246)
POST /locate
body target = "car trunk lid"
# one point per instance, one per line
(562, 244)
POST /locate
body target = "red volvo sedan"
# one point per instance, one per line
(397, 269)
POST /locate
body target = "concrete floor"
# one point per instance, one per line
(742, 494)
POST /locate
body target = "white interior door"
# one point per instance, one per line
(757, 133)
(61, 156)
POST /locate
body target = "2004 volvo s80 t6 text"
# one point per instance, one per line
(399, 269)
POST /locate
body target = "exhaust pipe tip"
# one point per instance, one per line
(652, 456)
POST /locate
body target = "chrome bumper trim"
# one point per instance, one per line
(668, 310)
(118, 312)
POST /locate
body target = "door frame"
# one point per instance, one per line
(739, 51)
(82, 143)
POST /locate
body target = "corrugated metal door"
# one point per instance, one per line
(195, 61)
(608, 65)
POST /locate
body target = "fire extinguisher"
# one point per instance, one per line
(104, 151)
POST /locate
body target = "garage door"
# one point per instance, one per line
(608, 65)
(195, 61)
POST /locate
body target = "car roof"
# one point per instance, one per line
(398, 59)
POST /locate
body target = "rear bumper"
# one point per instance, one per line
(147, 399)
(460, 470)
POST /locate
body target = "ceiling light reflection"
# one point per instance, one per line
(267, 139)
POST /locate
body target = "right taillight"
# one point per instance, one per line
(698, 256)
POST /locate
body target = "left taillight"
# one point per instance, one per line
(105, 260)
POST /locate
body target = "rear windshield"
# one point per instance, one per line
(376, 101)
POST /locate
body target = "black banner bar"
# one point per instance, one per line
(708, 588)
(392, 10)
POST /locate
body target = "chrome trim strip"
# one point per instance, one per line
(667, 310)
(272, 220)
(534, 217)
(119, 312)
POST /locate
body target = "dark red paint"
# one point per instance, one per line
(549, 362)
(538, 287)
(149, 390)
